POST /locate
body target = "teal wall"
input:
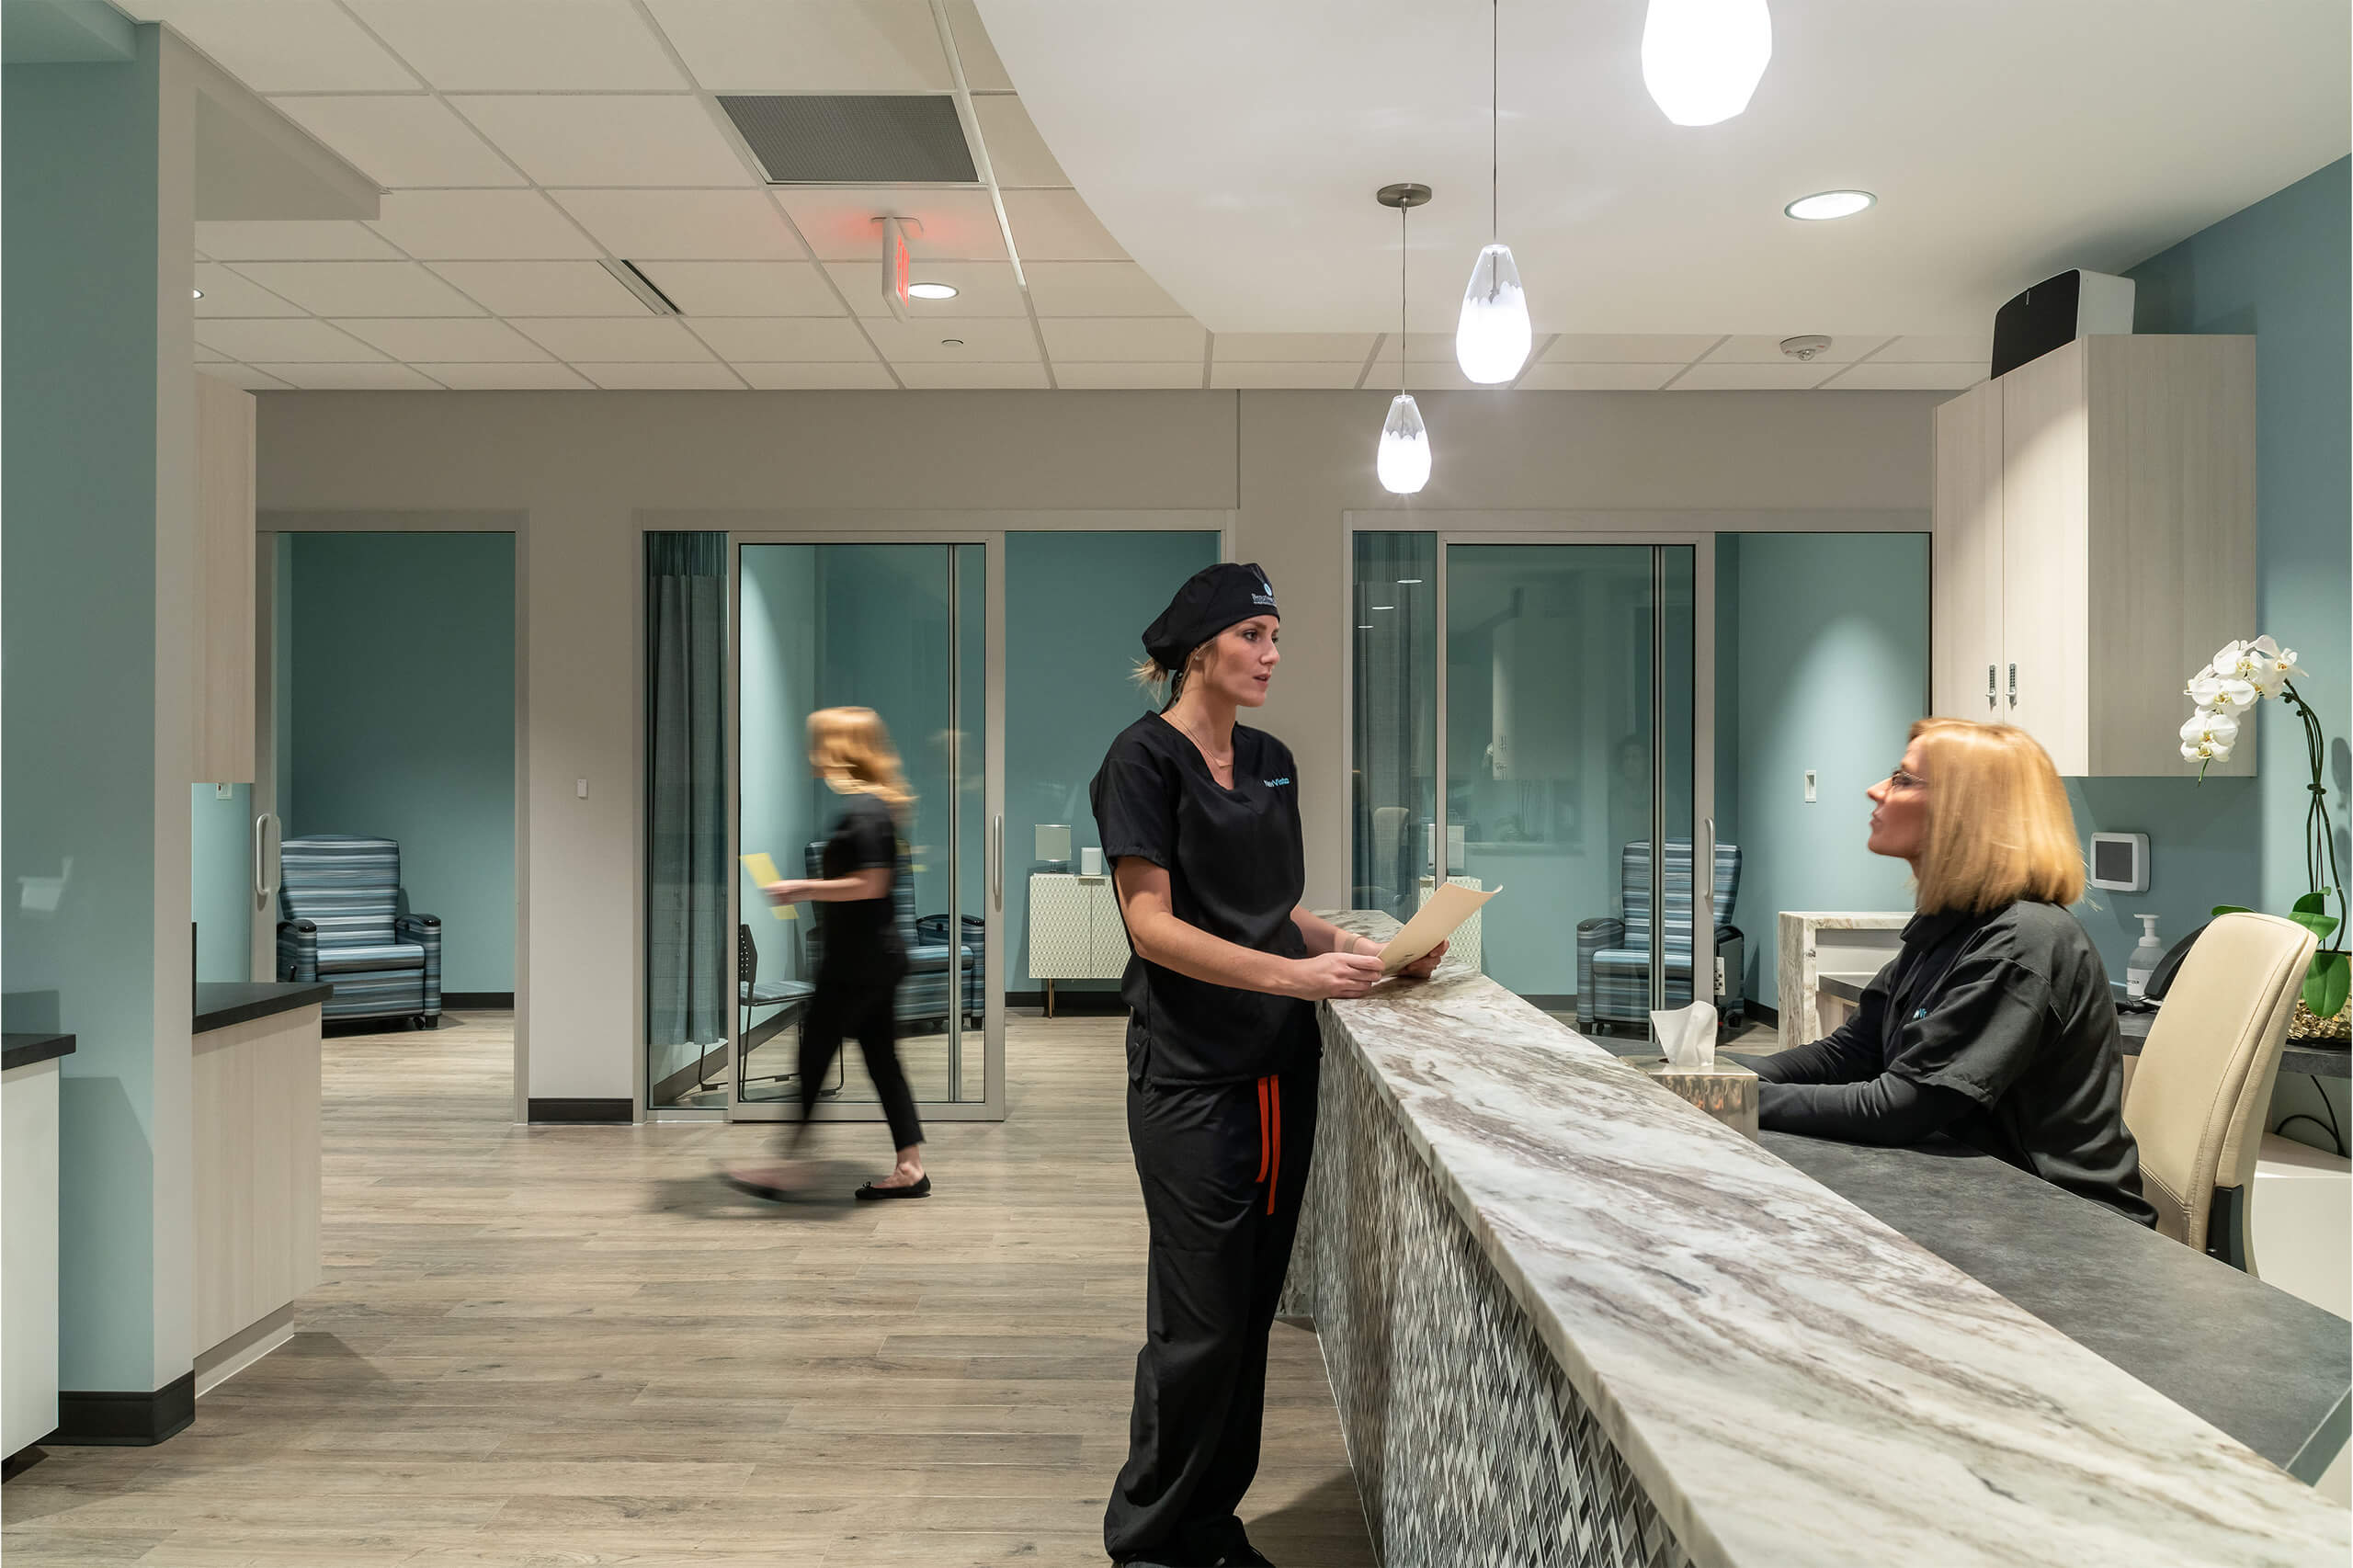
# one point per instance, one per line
(81, 328)
(776, 801)
(1832, 632)
(220, 880)
(403, 723)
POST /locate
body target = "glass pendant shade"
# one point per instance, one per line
(1491, 340)
(1702, 58)
(1402, 460)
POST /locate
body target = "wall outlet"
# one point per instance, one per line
(1809, 787)
(225, 792)
(580, 787)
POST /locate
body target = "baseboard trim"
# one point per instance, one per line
(713, 1065)
(482, 1001)
(108, 1419)
(243, 1349)
(1067, 1001)
(1759, 1013)
(576, 1110)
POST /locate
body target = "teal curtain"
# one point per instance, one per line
(689, 957)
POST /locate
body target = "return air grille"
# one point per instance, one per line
(855, 139)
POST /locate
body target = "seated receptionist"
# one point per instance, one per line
(1995, 1024)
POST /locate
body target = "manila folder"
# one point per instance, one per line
(1449, 907)
(763, 871)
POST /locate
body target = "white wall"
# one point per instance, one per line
(584, 466)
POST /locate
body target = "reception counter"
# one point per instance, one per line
(1570, 1318)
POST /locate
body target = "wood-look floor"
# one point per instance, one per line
(571, 1345)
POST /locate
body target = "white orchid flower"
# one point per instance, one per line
(2237, 661)
(2275, 667)
(2204, 751)
(2211, 724)
(2220, 691)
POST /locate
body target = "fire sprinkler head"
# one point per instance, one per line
(1804, 348)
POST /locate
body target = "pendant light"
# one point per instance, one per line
(1702, 58)
(1492, 338)
(1402, 459)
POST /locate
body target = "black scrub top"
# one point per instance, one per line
(1236, 868)
(2011, 1010)
(861, 935)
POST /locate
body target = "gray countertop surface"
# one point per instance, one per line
(220, 1002)
(1790, 1377)
(25, 1050)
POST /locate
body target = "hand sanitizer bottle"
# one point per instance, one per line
(2143, 961)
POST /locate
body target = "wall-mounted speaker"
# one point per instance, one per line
(2057, 310)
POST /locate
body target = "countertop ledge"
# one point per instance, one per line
(220, 1002)
(24, 1050)
(1790, 1380)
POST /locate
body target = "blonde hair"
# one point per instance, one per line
(852, 752)
(1999, 827)
(1166, 684)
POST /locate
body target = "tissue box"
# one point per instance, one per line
(1723, 1091)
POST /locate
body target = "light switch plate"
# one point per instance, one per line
(581, 786)
(1809, 787)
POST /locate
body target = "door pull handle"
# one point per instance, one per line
(1992, 688)
(2014, 685)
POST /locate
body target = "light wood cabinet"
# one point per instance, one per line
(220, 676)
(255, 1092)
(2094, 544)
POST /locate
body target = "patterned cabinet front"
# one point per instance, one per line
(1062, 937)
(1463, 946)
(1110, 932)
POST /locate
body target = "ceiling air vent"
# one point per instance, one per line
(811, 139)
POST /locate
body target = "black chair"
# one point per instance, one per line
(788, 997)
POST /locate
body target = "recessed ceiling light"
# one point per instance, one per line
(197, 292)
(931, 290)
(1830, 204)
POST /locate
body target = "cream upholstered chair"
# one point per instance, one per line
(2203, 1084)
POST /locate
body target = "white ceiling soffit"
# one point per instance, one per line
(1231, 147)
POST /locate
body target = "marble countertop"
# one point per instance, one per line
(1792, 1380)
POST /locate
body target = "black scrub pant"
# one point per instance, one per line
(1224, 1167)
(867, 1010)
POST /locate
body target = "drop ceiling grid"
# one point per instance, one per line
(1120, 322)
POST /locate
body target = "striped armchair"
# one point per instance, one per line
(341, 922)
(923, 998)
(1614, 954)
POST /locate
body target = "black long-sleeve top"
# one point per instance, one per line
(1997, 1029)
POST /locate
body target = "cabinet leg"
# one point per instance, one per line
(1049, 998)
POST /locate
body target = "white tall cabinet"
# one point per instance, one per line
(2095, 543)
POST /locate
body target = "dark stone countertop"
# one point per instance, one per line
(220, 1002)
(24, 1050)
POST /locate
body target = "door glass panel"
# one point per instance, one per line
(689, 951)
(1393, 691)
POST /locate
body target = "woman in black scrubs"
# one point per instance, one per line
(863, 960)
(1995, 1024)
(1199, 819)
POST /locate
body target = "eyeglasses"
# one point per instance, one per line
(1899, 780)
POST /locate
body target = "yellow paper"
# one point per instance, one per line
(1449, 907)
(763, 871)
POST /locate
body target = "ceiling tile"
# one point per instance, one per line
(745, 287)
(403, 141)
(360, 287)
(1423, 376)
(590, 339)
(1906, 375)
(708, 376)
(834, 46)
(993, 339)
(245, 376)
(272, 46)
(984, 72)
(655, 141)
(201, 355)
(1293, 348)
(226, 294)
(973, 376)
(471, 340)
(542, 288)
(1752, 350)
(700, 225)
(1917, 349)
(1129, 376)
(769, 339)
(545, 375)
(1738, 376)
(1055, 225)
(524, 45)
(338, 240)
(1097, 289)
(1274, 373)
(839, 224)
(1428, 348)
(794, 378)
(1631, 348)
(983, 289)
(1017, 154)
(1613, 376)
(284, 341)
(481, 225)
(375, 376)
(1116, 338)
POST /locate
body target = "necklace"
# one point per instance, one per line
(1217, 764)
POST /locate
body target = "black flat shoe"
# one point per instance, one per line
(920, 1188)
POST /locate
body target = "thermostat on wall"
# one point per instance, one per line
(2121, 862)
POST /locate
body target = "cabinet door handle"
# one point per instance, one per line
(2014, 685)
(263, 886)
(997, 862)
(1992, 687)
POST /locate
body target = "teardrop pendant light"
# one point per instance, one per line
(1402, 459)
(1491, 337)
(1703, 59)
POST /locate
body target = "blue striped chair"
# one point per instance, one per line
(931, 987)
(339, 902)
(1614, 954)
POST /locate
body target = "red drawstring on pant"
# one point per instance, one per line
(1270, 1136)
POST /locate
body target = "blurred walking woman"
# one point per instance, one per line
(1199, 819)
(857, 978)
